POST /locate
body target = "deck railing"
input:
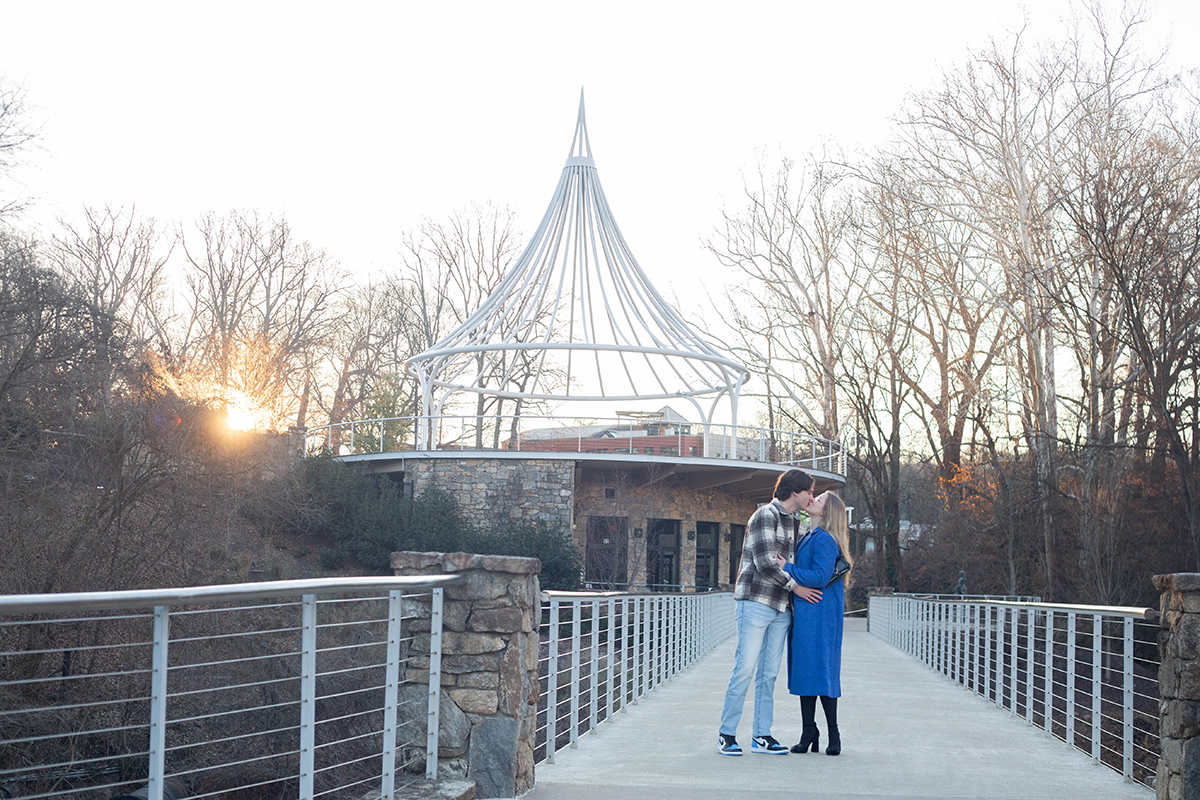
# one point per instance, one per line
(281, 688)
(602, 651)
(534, 433)
(1086, 674)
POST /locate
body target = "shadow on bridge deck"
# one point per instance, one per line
(906, 733)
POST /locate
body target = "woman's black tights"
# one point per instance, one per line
(808, 710)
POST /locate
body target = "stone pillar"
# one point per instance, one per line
(489, 666)
(1179, 687)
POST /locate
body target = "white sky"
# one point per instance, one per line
(357, 119)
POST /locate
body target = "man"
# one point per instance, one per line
(764, 613)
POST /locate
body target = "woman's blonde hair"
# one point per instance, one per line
(836, 521)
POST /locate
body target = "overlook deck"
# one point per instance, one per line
(907, 732)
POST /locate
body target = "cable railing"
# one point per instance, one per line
(1086, 674)
(271, 689)
(602, 651)
(618, 435)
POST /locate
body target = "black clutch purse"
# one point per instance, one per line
(840, 568)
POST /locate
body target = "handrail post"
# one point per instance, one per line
(987, 653)
(158, 703)
(627, 662)
(1069, 733)
(1127, 717)
(1030, 625)
(435, 683)
(594, 699)
(308, 694)
(552, 683)
(391, 693)
(640, 645)
(1048, 676)
(1097, 687)
(613, 669)
(1001, 619)
(576, 613)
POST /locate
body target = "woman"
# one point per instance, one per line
(815, 642)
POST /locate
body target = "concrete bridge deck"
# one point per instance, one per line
(907, 733)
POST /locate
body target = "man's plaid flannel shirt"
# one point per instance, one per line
(760, 578)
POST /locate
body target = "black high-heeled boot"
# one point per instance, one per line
(835, 742)
(809, 736)
(829, 706)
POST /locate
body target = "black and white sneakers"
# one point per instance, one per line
(728, 746)
(767, 745)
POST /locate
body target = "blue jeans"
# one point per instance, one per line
(762, 635)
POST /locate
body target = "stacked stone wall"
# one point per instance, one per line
(1178, 775)
(498, 494)
(489, 664)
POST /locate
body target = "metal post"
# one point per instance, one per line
(614, 668)
(308, 694)
(1097, 687)
(987, 652)
(158, 702)
(976, 620)
(435, 685)
(1001, 678)
(391, 693)
(1127, 726)
(636, 656)
(552, 684)
(626, 661)
(1069, 733)
(594, 698)
(935, 629)
(655, 644)
(1048, 677)
(676, 631)
(1030, 625)
(576, 608)
(955, 648)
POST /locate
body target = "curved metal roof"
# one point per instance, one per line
(576, 319)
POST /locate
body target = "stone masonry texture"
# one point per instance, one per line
(1178, 775)
(489, 679)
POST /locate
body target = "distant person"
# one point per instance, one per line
(815, 644)
(961, 588)
(762, 598)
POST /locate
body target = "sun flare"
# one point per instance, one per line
(243, 414)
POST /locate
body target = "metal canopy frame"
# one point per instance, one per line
(576, 319)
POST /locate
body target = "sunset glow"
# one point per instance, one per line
(243, 414)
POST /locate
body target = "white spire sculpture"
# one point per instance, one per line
(575, 320)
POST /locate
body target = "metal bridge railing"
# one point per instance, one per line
(602, 651)
(1086, 674)
(536, 433)
(282, 688)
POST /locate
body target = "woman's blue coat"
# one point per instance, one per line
(815, 643)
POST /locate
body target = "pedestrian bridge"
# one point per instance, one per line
(907, 732)
(345, 688)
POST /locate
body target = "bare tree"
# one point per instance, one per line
(259, 304)
(790, 241)
(981, 146)
(17, 133)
